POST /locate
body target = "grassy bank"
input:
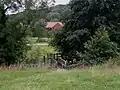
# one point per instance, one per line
(91, 79)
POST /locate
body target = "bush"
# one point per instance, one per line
(37, 52)
(99, 49)
(13, 42)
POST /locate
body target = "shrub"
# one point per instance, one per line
(13, 42)
(100, 48)
(37, 52)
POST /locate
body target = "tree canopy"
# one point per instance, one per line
(85, 19)
(13, 29)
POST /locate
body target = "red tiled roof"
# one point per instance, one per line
(52, 24)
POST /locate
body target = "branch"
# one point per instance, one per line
(7, 8)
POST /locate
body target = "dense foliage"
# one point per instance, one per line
(85, 19)
(36, 18)
(14, 29)
(59, 13)
(12, 40)
(99, 49)
(37, 52)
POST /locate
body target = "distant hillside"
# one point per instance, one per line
(59, 13)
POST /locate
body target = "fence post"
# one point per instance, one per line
(50, 62)
(44, 60)
(48, 57)
(53, 56)
(57, 56)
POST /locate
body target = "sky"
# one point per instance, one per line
(57, 2)
(62, 1)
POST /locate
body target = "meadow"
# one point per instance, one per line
(46, 79)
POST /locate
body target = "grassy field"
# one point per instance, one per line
(35, 79)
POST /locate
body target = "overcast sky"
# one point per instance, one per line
(57, 2)
(62, 1)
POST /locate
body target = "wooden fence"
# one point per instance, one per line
(48, 61)
(56, 61)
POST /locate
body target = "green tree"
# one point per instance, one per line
(13, 43)
(86, 17)
(34, 15)
(59, 13)
(12, 40)
(100, 48)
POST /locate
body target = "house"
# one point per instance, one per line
(54, 25)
